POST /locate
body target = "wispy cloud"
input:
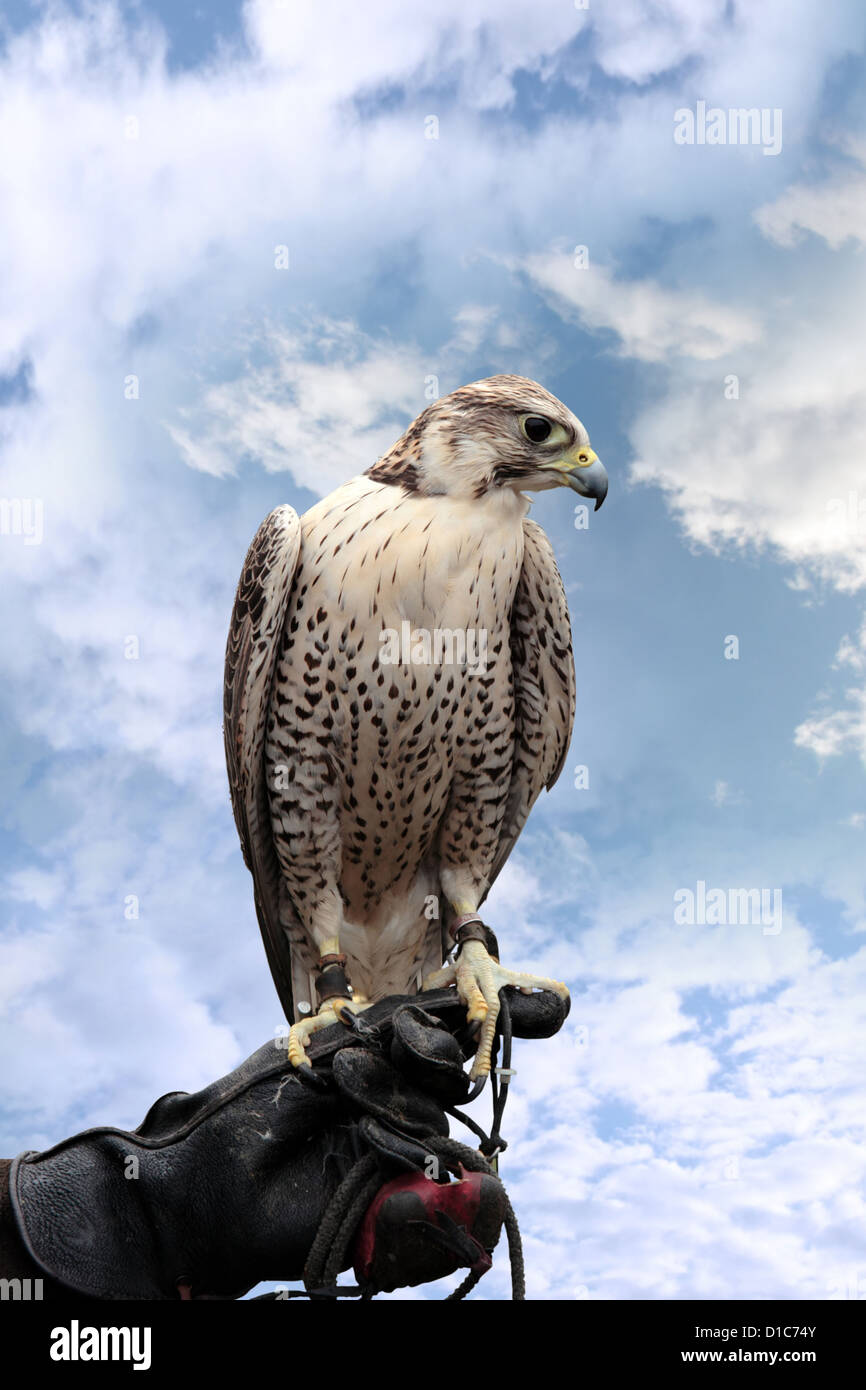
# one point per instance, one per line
(651, 322)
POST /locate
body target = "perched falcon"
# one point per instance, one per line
(399, 687)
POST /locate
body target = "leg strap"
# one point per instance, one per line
(473, 929)
(333, 982)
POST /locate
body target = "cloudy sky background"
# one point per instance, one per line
(698, 1129)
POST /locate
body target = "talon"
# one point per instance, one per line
(479, 979)
(297, 1055)
(301, 1033)
(477, 1007)
(440, 979)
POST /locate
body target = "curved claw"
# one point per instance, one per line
(300, 1033)
(475, 1092)
(479, 979)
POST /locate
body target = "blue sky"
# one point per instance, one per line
(697, 1130)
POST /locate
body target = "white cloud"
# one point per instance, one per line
(829, 735)
(632, 47)
(651, 321)
(737, 1148)
(852, 650)
(430, 43)
(725, 795)
(324, 420)
(834, 209)
(840, 731)
(765, 450)
(146, 1033)
(734, 1147)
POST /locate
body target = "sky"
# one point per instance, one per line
(241, 246)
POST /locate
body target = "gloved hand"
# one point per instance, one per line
(221, 1189)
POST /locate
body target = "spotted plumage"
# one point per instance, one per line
(375, 798)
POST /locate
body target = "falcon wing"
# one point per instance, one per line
(253, 646)
(543, 665)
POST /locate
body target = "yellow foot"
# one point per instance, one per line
(479, 978)
(300, 1034)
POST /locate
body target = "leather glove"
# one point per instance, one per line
(221, 1189)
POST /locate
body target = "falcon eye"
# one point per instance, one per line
(536, 428)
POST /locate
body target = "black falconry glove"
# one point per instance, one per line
(219, 1190)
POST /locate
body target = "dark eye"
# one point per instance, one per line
(536, 428)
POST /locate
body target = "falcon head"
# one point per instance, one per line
(502, 432)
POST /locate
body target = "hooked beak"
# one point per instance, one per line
(583, 471)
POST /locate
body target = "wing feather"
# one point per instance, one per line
(543, 672)
(253, 646)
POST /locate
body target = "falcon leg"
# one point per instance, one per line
(479, 977)
(300, 1033)
(335, 994)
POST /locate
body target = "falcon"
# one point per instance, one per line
(399, 687)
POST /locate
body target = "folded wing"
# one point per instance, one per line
(543, 671)
(255, 632)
